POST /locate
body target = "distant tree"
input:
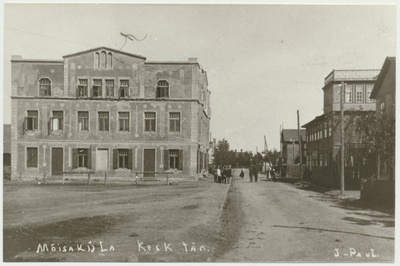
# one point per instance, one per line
(378, 135)
(222, 154)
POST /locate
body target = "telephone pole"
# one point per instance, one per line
(342, 92)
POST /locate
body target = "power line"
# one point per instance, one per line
(46, 36)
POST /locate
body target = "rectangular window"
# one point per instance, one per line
(123, 158)
(382, 106)
(82, 88)
(349, 94)
(83, 158)
(123, 120)
(31, 121)
(124, 89)
(359, 93)
(109, 88)
(104, 121)
(150, 122)
(31, 157)
(57, 120)
(83, 121)
(174, 122)
(45, 87)
(369, 88)
(97, 85)
(173, 159)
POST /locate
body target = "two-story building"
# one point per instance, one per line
(323, 132)
(104, 110)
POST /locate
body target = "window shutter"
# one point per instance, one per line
(89, 158)
(74, 158)
(50, 125)
(166, 159)
(115, 159)
(130, 159)
(25, 125)
(180, 158)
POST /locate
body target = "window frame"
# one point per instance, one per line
(123, 153)
(123, 88)
(83, 87)
(26, 158)
(107, 88)
(48, 86)
(60, 123)
(177, 121)
(85, 157)
(87, 121)
(348, 93)
(126, 120)
(359, 93)
(174, 162)
(35, 120)
(98, 87)
(150, 119)
(162, 90)
(100, 123)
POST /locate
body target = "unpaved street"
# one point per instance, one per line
(282, 223)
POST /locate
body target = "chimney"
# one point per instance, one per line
(192, 59)
(241, 150)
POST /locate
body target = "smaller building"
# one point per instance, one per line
(291, 152)
(384, 93)
(7, 151)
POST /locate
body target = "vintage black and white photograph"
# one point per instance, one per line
(199, 132)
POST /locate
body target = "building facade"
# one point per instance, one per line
(291, 146)
(384, 93)
(107, 111)
(323, 132)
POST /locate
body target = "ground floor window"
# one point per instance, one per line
(81, 158)
(173, 159)
(31, 157)
(122, 159)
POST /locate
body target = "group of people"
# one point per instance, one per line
(253, 173)
(222, 176)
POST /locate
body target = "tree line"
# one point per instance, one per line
(223, 155)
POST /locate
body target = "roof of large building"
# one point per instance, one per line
(104, 48)
(292, 135)
(6, 138)
(388, 61)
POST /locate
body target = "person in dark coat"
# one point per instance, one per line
(242, 174)
(255, 172)
(251, 173)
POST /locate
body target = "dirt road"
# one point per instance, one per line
(282, 223)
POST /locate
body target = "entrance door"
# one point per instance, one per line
(149, 164)
(57, 159)
(102, 159)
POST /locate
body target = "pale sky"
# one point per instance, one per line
(264, 62)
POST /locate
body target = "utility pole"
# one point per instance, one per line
(300, 151)
(342, 92)
(280, 138)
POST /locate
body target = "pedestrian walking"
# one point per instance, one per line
(219, 177)
(215, 176)
(273, 175)
(242, 174)
(251, 173)
(255, 173)
(228, 174)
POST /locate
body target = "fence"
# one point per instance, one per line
(96, 177)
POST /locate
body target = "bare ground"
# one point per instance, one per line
(117, 223)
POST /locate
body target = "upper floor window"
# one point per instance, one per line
(359, 93)
(349, 94)
(31, 121)
(109, 88)
(56, 121)
(150, 122)
(45, 87)
(123, 120)
(174, 122)
(162, 89)
(102, 60)
(369, 88)
(109, 60)
(97, 85)
(124, 88)
(83, 121)
(104, 121)
(82, 88)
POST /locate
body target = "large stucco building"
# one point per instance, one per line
(104, 110)
(323, 132)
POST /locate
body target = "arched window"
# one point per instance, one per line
(103, 60)
(44, 87)
(162, 89)
(96, 60)
(109, 60)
